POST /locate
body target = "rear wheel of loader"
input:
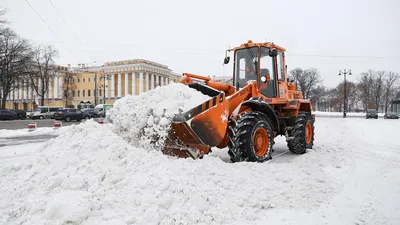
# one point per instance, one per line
(252, 138)
(303, 134)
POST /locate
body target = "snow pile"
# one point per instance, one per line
(144, 119)
(90, 175)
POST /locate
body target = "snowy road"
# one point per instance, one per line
(350, 177)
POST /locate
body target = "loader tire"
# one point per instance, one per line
(303, 134)
(251, 138)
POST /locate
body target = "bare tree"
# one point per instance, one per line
(352, 96)
(377, 88)
(365, 87)
(14, 54)
(306, 80)
(317, 93)
(2, 20)
(42, 70)
(389, 88)
(69, 87)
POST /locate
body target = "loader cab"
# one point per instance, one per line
(252, 63)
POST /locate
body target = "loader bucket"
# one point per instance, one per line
(193, 133)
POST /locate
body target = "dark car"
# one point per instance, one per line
(371, 113)
(7, 115)
(69, 114)
(20, 113)
(391, 115)
(91, 112)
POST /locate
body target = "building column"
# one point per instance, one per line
(162, 81)
(19, 89)
(140, 82)
(119, 86)
(15, 91)
(133, 83)
(22, 89)
(106, 87)
(152, 81)
(126, 84)
(60, 87)
(147, 81)
(158, 80)
(28, 88)
(112, 88)
(56, 86)
(50, 90)
(25, 89)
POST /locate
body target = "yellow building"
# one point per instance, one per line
(96, 85)
(25, 97)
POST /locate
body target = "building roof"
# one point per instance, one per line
(135, 61)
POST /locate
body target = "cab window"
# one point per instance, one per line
(281, 69)
(245, 66)
(267, 69)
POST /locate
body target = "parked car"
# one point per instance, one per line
(371, 113)
(69, 114)
(44, 112)
(20, 113)
(391, 115)
(101, 109)
(7, 115)
(91, 111)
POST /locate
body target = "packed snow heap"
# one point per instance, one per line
(102, 174)
(144, 120)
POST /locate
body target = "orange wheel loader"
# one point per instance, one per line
(246, 116)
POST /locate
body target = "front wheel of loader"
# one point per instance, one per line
(252, 138)
(302, 134)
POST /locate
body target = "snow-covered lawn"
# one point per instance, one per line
(350, 177)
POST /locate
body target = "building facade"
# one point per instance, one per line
(95, 85)
(24, 95)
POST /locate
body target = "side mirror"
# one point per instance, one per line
(227, 59)
(265, 79)
(273, 52)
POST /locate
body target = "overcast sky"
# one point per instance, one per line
(191, 36)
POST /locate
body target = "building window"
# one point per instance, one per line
(88, 80)
(79, 93)
(83, 80)
(88, 93)
(100, 92)
(79, 80)
(73, 93)
(83, 93)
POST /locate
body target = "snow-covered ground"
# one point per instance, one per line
(93, 174)
(5, 133)
(349, 114)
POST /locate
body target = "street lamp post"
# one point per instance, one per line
(95, 89)
(345, 94)
(104, 77)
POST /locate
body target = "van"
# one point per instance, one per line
(44, 112)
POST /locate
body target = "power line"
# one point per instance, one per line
(65, 21)
(345, 56)
(44, 21)
(49, 28)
